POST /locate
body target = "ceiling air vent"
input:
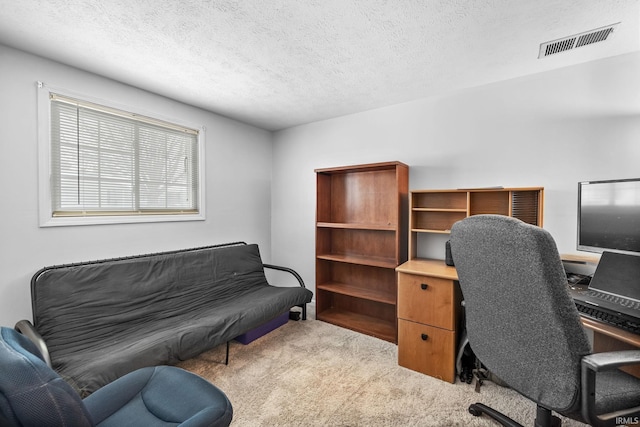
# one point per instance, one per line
(575, 41)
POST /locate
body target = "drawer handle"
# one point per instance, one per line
(424, 337)
(424, 286)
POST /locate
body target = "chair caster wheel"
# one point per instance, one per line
(473, 410)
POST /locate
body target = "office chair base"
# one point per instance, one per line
(544, 418)
(478, 409)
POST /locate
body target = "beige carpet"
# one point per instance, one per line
(311, 373)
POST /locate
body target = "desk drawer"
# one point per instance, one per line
(428, 300)
(426, 349)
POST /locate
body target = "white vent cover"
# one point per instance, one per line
(575, 41)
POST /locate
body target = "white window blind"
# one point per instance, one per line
(109, 162)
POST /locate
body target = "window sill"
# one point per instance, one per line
(117, 219)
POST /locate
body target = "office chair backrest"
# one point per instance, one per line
(31, 393)
(521, 321)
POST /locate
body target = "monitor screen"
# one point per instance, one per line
(609, 216)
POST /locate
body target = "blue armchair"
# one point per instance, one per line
(32, 394)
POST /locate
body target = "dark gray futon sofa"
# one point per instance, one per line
(102, 319)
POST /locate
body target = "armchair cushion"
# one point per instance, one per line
(147, 395)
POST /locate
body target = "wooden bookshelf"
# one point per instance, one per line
(361, 237)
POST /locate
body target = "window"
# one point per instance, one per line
(108, 165)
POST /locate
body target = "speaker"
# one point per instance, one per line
(448, 259)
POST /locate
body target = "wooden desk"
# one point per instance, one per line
(434, 312)
(428, 317)
(609, 338)
(605, 337)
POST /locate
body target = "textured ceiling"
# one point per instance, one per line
(281, 63)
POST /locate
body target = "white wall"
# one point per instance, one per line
(552, 129)
(238, 183)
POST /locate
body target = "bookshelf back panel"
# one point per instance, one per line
(489, 203)
(368, 197)
(367, 243)
(440, 200)
(360, 276)
(440, 221)
(384, 312)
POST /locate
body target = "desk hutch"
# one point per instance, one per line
(429, 297)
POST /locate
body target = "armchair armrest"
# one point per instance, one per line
(601, 362)
(27, 329)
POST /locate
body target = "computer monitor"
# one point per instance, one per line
(609, 216)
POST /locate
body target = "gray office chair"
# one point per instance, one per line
(523, 326)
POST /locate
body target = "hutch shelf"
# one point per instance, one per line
(435, 211)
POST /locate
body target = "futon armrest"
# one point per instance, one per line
(27, 329)
(288, 270)
(298, 278)
(600, 362)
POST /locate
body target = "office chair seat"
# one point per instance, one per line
(32, 394)
(524, 327)
(615, 390)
